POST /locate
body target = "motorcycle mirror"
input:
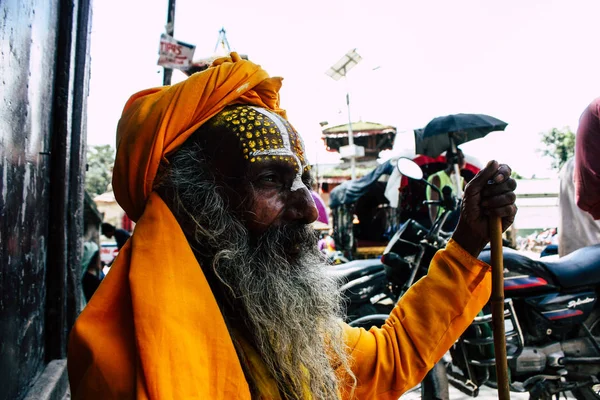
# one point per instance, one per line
(409, 168)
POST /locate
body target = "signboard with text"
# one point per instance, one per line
(174, 53)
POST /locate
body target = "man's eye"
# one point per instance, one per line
(270, 179)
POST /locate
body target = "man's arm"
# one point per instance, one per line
(437, 309)
(422, 327)
(587, 161)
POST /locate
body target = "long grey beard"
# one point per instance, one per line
(290, 306)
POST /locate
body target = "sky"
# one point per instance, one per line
(530, 63)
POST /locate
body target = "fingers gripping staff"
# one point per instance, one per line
(483, 200)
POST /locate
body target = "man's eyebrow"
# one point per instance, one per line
(279, 165)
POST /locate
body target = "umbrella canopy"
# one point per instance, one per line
(440, 132)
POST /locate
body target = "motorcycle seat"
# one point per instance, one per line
(580, 268)
(355, 269)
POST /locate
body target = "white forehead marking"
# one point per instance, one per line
(285, 135)
(287, 146)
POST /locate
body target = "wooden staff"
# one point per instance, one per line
(497, 302)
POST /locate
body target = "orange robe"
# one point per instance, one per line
(153, 329)
(428, 319)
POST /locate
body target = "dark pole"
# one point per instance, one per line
(497, 302)
(170, 31)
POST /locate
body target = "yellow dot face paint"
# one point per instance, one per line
(265, 136)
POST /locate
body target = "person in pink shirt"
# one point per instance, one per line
(587, 160)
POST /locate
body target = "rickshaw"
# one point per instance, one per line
(363, 221)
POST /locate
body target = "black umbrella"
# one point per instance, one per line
(442, 132)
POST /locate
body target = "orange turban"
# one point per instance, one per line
(155, 122)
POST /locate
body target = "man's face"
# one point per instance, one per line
(241, 190)
(276, 174)
(274, 201)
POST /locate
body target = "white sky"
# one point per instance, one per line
(530, 63)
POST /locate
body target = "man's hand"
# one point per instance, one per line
(489, 194)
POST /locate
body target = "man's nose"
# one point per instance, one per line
(301, 207)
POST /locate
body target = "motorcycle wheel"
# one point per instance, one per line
(591, 392)
(435, 385)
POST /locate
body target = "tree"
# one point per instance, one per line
(516, 175)
(100, 160)
(559, 145)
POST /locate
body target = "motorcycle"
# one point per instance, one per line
(372, 287)
(363, 285)
(552, 322)
(552, 316)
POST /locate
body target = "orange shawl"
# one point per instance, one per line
(144, 333)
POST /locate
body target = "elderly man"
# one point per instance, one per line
(221, 292)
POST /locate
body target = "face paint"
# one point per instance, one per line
(266, 136)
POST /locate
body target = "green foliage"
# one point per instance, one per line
(559, 145)
(516, 175)
(100, 161)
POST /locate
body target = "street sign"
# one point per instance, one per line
(174, 53)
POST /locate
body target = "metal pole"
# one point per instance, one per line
(168, 72)
(350, 133)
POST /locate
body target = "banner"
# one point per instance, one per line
(174, 54)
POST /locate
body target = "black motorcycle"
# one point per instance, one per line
(372, 287)
(363, 285)
(552, 329)
(551, 310)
